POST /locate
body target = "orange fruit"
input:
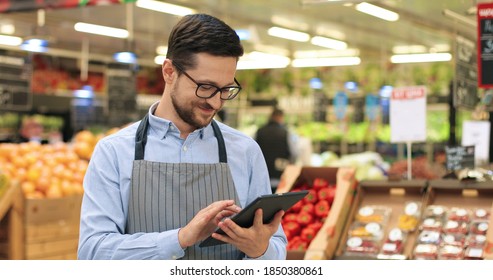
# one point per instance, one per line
(54, 191)
(28, 188)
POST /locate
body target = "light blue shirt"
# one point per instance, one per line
(107, 187)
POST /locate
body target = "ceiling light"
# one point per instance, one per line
(328, 43)
(288, 34)
(326, 61)
(35, 45)
(125, 57)
(326, 53)
(7, 28)
(244, 34)
(162, 50)
(101, 30)
(10, 40)
(159, 59)
(164, 7)
(376, 11)
(85, 92)
(407, 49)
(260, 60)
(420, 57)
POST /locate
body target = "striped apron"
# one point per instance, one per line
(166, 196)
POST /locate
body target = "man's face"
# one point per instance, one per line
(195, 111)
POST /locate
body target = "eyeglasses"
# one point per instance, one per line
(207, 90)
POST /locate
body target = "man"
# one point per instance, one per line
(155, 189)
(277, 146)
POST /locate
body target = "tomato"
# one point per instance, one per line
(304, 218)
(311, 197)
(292, 227)
(320, 183)
(290, 217)
(308, 208)
(327, 194)
(308, 234)
(322, 208)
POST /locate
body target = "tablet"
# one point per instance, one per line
(270, 204)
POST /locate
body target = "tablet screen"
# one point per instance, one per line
(270, 204)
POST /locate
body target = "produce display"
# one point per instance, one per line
(44, 171)
(371, 236)
(420, 169)
(452, 233)
(51, 170)
(368, 165)
(302, 222)
(367, 230)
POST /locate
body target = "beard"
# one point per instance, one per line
(186, 111)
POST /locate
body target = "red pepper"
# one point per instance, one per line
(293, 243)
(320, 183)
(322, 208)
(304, 218)
(302, 246)
(311, 197)
(290, 217)
(327, 194)
(288, 234)
(292, 227)
(308, 234)
(316, 226)
(309, 208)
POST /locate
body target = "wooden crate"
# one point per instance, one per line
(52, 228)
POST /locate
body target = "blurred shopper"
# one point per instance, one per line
(278, 146)
(31, 131)
(157, 188)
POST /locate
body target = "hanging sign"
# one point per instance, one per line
(466, 74)
(340, 105)
(371, 107)
(477, 134)
(408, 114)
(485, 45)
(15, 85)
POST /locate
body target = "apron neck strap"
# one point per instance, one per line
(223, 157)
(141, 140)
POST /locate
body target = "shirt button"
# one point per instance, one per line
(185, 148)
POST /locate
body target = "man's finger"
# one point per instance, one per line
(258, 219)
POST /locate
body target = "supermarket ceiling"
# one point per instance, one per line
(432, 25)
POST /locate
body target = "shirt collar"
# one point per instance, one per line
(163, 126)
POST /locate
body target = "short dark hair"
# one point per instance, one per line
(276, 112)
(202, 33)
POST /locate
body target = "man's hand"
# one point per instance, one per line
(206, 221)
(252, 241)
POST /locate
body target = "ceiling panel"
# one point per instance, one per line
(421, 22)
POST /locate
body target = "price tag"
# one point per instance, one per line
(477, 134)
(459, 157)
(408, 114)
